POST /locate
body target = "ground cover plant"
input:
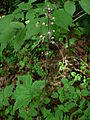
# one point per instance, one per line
(44, 60)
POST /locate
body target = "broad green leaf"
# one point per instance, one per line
(4, 22)
(31, 1)
(18, 14)
(19, 39)
(85, 4)
(69, 7)
(33, 28)
(17, 25)
(30, 15)
(24, 6)
(7, 35)
(62, 19)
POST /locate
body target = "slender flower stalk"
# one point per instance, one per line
(47, 49)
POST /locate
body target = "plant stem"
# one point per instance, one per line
(47, 52)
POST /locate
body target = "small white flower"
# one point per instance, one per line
(27, 21)
(52, 42)
(43, 23)
(42, 53)
(53, 30)
(41, 36)
(52, 23)
(52, 38)
(53, 18)
(46, 53)
(49, 8)
(48, 32)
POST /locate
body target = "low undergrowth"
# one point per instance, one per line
(44, 67)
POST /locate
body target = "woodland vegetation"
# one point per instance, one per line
(44, 59)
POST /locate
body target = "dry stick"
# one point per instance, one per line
(79, 17)
(78, 14)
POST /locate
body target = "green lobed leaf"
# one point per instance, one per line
(58, 114)
(23, 113)
(4, 94)
(64, 81)
(46, 100)
(51, 117)
(85, 92)
(32, 110)
(23, 92)
(45, 112)
(8, 91)
(70, 105)
(26, 91)
(55, 95)
(37, 86)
